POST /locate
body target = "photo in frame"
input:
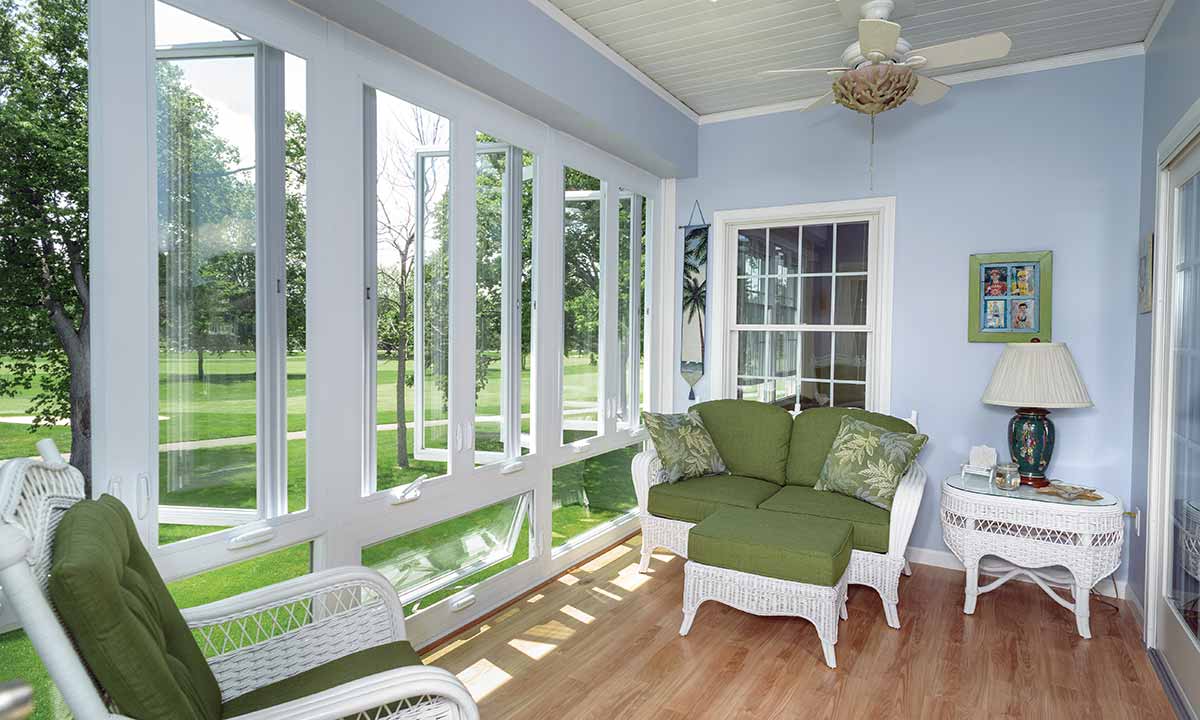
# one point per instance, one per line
(1010, 297)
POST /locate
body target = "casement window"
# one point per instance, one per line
(802, 304)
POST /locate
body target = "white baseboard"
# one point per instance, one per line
(946, 559)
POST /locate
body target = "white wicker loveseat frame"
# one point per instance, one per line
(880, 571)
(251, 640)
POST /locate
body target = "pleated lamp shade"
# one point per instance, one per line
(1037, 375)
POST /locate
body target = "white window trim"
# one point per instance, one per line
(722, 259)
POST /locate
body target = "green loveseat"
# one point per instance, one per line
(774, 460)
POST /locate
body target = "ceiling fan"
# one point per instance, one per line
(878, 70)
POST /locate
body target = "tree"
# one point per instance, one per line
(44, 321)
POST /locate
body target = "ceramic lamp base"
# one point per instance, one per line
(1031, 441)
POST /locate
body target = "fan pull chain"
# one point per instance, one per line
(871, 159)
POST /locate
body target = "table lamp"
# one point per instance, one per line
(1034, 377)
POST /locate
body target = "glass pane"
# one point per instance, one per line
(752, 353)
(784, 393)
(252, 574)
(296, 267)
(852, 247)
(432, 563)
(751, 301)
(851, 306)
(173, 26)
(851, 356)
(581, 306)
(646, 235)
(412, 203)
(752, 251)
(816, 249)
(785, 250)
(814, 394)
(783, 354)
(816, 294)
(207, 234)
(592, 493)
(815, 355)
(849, 396)
(782, 300)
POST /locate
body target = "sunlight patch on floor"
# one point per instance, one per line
(535, 598)
(577, 614)
(553, 630)
(662, 557)
(482, 678)
(607, 594)
(535, 650)
(629, 578)
(601, 560)
(454, 645)
(568, 580)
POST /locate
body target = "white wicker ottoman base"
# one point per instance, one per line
(819, 604)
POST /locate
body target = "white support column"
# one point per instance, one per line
(610, 367)
(124, 265)
(664, 311)
(335, 303)
(634, 382)
(510, 292)
(546, 380)
(462, 296)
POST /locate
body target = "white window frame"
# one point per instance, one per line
(722, 254)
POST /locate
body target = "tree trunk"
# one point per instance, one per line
(401, 410)
(77, 346)
(200, 365)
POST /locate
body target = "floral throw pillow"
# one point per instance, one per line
(867, 461)
(683, 444)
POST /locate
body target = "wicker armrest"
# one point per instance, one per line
(647, 472)
(412, 693)
(905, 506)
(267, 635)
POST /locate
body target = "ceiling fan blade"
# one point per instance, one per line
(960, 52)
(826, 99)
(928, 90)
(878, 36)
(795, 71)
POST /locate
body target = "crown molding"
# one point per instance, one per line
(612, 56)
(999, 71)
(1155, 26)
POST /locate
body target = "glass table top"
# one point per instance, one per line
(982, 486)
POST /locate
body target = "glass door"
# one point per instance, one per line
(1178, 626)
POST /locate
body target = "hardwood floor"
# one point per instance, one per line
(603, 642)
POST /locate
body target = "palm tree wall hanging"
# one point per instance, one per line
(695, 297)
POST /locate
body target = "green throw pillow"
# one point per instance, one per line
(683, 444)
(867, 461)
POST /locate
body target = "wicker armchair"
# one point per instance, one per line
(249, 641)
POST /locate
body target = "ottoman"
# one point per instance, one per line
(770, 563)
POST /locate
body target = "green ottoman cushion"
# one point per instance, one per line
(693, 499)
(871, 524)
(810, 550)
(752, 437)
(812, 436)
(380, 658)
(124, 622)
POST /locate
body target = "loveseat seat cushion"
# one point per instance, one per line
(361, 664)
(774, 545)
(752, 437)
(123, 620)
(871, 524)
(693, 499)
(812, 436)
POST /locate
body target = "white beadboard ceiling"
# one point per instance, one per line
(710, 55)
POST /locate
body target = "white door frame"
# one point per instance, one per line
(1180, 141)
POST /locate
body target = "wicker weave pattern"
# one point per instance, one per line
(821, 605)
(34, 494)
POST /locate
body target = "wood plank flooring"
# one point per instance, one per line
(603, 642)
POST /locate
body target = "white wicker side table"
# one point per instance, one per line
(1023, 533)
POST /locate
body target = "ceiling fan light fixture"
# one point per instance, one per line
(872, 89)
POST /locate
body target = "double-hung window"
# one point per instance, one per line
(803, 304)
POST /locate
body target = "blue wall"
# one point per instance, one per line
(1048, 160)
(512, 51)
(1172, 86)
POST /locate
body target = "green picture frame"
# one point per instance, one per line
(1010, 297)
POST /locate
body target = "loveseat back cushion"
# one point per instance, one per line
(752, 437)
(693, 499)
(125, 623)
(813, 432)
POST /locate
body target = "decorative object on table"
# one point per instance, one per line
(981, 462)
(1146, 273)
(1034, 377)
(683, 444)
(1042, 537)
(1066, 491)
(695, 299)
(1008, 477)
(867, 461)
(1010, 297)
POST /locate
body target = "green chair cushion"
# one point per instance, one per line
(812, 436)
(778, 545)
(338, 672)
(125, 623)
(870, 523)
(752, 437)
(693, 499)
